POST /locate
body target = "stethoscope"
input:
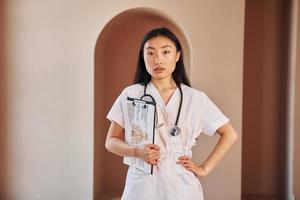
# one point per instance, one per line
(175, 130)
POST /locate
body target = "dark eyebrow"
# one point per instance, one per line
(150, 48)
(165, 46)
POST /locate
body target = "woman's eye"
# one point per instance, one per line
(149, 53)
(166, 52)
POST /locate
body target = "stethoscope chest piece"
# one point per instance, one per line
(175, 131)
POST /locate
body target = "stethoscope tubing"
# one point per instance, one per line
(176, 128)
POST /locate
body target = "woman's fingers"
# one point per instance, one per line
(187, 163)
(153, 151)
(185, 157)
(152, 154)
(152, 146)
(153, 162)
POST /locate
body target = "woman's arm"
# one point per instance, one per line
(227, 139)
(115, 143)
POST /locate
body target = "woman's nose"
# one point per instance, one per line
(157, 60)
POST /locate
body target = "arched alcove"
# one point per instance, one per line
(116, 55)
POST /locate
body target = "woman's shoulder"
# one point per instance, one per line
(132, 90)
(194, 92)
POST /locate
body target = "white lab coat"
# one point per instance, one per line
(170, 181)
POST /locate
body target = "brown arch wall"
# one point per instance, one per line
(116, 55)
(265, 99)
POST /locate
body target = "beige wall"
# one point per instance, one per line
(297, 129)
(297, 138)
(217, 56)
(2, 101)
(50, 99)
(51, 89)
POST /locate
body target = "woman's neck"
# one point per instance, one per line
(163, 84)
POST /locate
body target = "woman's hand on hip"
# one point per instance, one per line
(150, 153)
(190, 165)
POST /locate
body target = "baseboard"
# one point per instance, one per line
(260, 197)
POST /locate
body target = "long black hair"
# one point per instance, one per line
(179, 74)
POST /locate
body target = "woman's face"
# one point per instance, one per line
(160, 56)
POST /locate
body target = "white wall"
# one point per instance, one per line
(50, 79)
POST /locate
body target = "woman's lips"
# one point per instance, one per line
(159, 69)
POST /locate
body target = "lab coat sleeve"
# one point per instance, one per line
(213, 117)
(116, 112)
